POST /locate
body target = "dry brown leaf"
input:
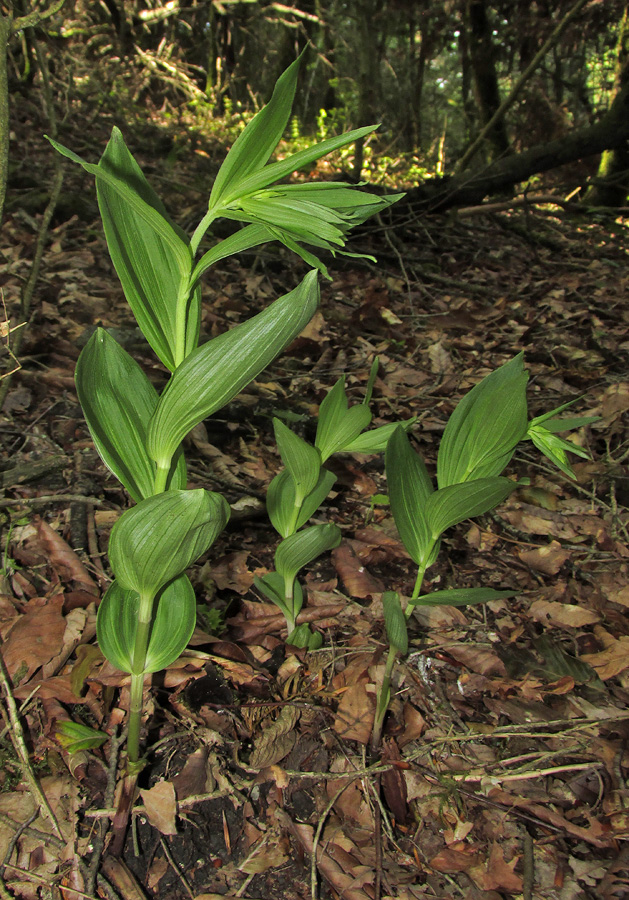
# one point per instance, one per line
(277, 740)
(357, 580)
(479, 659)
(613, 659)
(35, 638)
(62, 557)
(548, 560)
(496, 874)
(459, 858)
(194, 777)
(232, 573)
(354, 719)
(564, 615)
(270, 853)
(160, 804)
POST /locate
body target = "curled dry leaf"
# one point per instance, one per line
(548, 560)
(160, 804)
(563, 615)
(355, 715)
(35, 639)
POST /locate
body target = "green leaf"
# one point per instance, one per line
(245, 239)
(118, 401)
(376, 440)
(158, 539)
(395, 622)
(301, 459)
(486, 426)
(152, 259)
(298, 550)
(461, 597)
(450, 505)
(259, 139)
(214, 373)
(410, 489)
(268, 175)
(280, 501)
(273, 588)
(338, 425)
(304, 637)
(74, 737)
(555, 448)
(174, 616)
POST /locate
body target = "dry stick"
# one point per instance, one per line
(98, 844)
(19, 744)
(524, 77)
(317, 838)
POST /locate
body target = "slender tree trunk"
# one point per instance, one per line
(484, 78)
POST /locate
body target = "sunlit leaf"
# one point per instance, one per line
(486, 426)
(376, 440)
(118, 401)
(214, 373)
(152, 257)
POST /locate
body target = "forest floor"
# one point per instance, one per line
(503, 763)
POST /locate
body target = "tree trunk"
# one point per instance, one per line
(484, 78)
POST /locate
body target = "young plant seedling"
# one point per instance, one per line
(477, 444)
(148, 614)
(297, 492)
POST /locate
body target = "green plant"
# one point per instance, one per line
(147, 615)
(477, 444)
(300, 488)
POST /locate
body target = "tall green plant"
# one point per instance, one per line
(478, 442)
(147, 616)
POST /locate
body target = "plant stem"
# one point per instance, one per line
(180, 323)
(384, 695)
(161, 477)
(138, 661)
(201, 228)
(421, 571)
(135, 718)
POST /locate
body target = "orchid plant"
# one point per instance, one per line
(147, 615)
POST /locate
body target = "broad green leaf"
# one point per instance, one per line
(245, 239)
(486, 426)
(158, 539)
(331, 411)
(395, 622)
(410, 489)
(118, 401)
(461, 597)
(252, 149)
(302, 548)
(338, 425)
(214, 373)
(174, 616)
(301, 459)
(280, 501)
(376, 440)
(273, 588)
(450, 505)
(152, 259)
(304, 637)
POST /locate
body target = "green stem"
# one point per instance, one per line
(289, 601)
(201, 228)
(421, 571)
(161, 476)
(384, 696)
(138, 662)
(181, 309)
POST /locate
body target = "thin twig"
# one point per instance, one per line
(17, 739)
(98, 844)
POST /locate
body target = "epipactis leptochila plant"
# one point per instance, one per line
(478, 442)
(147, 616)
(300, 488)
